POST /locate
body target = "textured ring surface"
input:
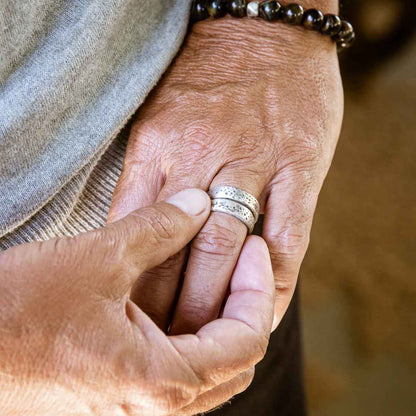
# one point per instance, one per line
(237, 195)
(235, 209)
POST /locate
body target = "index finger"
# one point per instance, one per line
(234, 343)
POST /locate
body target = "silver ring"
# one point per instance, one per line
(235, 209)
(237, 195)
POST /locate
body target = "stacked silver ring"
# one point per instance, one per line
(235, 202)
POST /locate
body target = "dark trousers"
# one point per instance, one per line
(277, 388)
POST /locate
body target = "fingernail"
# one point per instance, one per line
(191, 201)
(275, 323)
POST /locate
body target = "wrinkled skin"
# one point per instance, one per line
(73, 343)
(254, 105)
(247, 104)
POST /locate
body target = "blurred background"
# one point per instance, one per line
(358, 281)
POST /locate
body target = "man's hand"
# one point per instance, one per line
(249, 104)
(72, 342)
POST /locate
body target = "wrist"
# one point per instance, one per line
(248, 41)
(269, 28)
(243, 49)
(274, 14)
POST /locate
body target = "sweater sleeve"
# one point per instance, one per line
(71, 75)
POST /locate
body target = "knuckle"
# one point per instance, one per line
(161, 395)
(216, 239)
(144, 149)
(198, 137)
(287, 249)
(288, 243)
(162, 226)
(195, 143)
(109, 239)
(198, 307)
(285, 283)
(306, 153)
(260, 344)
(246, 379)
(171, 397)
(144, 134)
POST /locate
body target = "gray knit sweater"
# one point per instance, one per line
(72, 72)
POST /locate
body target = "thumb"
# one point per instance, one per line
(149, 236)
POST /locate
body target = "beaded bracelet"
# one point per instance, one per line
(331, 25)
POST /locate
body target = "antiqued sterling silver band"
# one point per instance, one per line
(236, 195)
(235, 209)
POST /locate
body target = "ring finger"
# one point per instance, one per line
(212, 258)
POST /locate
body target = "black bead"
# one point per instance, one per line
(346, 30)
(349, 37)
(270, 10)
(237, 8)
(198, 11)
(216, 8)
(346, 43)
(293, 14)
(332, 25)
(313, 19)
